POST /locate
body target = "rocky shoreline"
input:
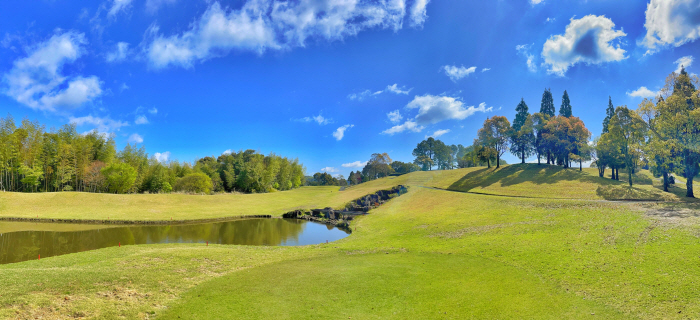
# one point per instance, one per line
(342, 218)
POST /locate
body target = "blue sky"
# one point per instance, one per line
(329, 82)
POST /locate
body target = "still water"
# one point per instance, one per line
(21, 241)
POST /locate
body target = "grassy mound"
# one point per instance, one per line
(543, 181)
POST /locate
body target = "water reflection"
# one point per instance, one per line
(27, 245)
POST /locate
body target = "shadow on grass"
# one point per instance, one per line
(520, 173)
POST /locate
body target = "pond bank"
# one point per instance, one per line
(131, 222)
(342, 218)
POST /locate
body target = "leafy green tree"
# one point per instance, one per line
(402, 167)
(197, 182)
(627, 129)
(566, 136)
(425, 153)
(378, 166)
(539, 145)
(495, 135)
(565, 109)
(120, 177)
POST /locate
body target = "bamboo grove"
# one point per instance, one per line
(35, 160)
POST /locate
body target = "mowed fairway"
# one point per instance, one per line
(428, 254)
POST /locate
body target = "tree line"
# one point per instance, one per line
(35, 160)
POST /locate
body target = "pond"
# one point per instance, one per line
(21, 241)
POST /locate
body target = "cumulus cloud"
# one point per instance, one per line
(227, 151)
(643, 92)
(153, 110)
(162, 157)
(524, 50)
(433, 109)
(394, 116)
(260, 25)
(536, 2)
(152, 6)
(318, 119)
(120, 52)
(329, 169)
(586, 40)
(455, 73)
(438, 133)
(419, 12)
(135, 138)
(141, 120)
(406, 126)
(37, 80)
(339, 133)
(393, 88)
(686, 62)
(117, 6)
(356, 164)
(101, 124)
(671, 23)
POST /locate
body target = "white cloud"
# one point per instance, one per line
(118, 5)
(339, 133)
(141, 120)
(455, 73)
(586, 40)
(433, 109)
(123, 87)
(671, 23)
(419, 12)
(162, 157)
(643, 92)
(393, 88)
(485, 69)
(438, 133)
(135, 138)
(356, 164)
(102, 124)
(37, 80)
(406, 126)
(119, 54)
(686, 62)
(524, 50)
(318, 119)
(329, 169)
(394, 116)
(550, 20)
(227, 151)
(153, 110)
(536, 2)
(152, 6)
(261, 25)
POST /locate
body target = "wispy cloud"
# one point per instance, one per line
(455, 73)
(339, 133)
(643, 92)
(686, 62)
(135, 138)
(318, 119)
(438, 133)
(141, 120)
(394, 88)
(101, 124)
(394, 116)
(356, 164)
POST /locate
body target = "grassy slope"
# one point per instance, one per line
(427, 254)
(542, 181)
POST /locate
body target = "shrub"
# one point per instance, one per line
(120, 177)
(194, 183)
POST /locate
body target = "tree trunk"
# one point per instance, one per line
(689, 187)
(665, 181)
(580, 165)
(539, 160)
(488, 162)
(498, 161)
(523, 157)
(629, 174)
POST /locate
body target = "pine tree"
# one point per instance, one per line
(565, 109)
(521, 116)
(609, 113)
(547, 106)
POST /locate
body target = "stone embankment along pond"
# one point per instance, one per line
(342, 218)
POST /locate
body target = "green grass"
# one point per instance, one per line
(427, 254)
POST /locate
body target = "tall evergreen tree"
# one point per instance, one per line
(609, 113)
(565, 109)
(547, 106)
(521, 135)
(521, 115)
